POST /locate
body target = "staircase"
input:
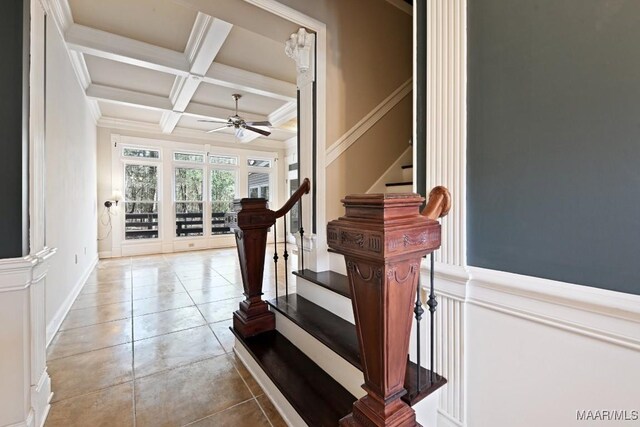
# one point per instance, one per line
(405, 185)
(311, 364)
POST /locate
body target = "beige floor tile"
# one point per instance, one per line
(186, 394)
(110, 407)
(253, 385)
(153, 291)
(155, 281)
(202, 296)
(219, 310)
(244, 414)
(161, 303)
(271, 411)
(94, 288)
(89, 338)
(102, 298)
(196, 273)
(205, 283)
(109, 275)
(83, 373)
(224, 335)
(114, 262)
(95, 315)
(164, 322)
(174, 349)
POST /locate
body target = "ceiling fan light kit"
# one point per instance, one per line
(239, 123)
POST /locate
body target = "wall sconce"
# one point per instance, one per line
(115, 198)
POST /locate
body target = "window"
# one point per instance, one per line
(294, 213)
(259, 185)
(188, 157)
(223, 191)
(141, 201)
(223, 160)
(259, 163)
(141, 153)
(189, 201)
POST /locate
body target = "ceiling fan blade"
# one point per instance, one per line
(267, 123)
(256, 130)
(213, 121)
(218, 129)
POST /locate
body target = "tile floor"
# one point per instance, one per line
(147, 343)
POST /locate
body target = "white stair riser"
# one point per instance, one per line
(338, 368)
(329, 300)
(427, 409)
(407, 174)
(400, 189)
(337, 263)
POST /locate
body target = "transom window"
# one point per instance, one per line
(143, 153)
(188, 157)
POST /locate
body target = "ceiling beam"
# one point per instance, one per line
(122, 49)
(128, 97)
(207, 37)
(247, 81)
(133, 52)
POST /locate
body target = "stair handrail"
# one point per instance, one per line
(439, 203)
(304, 188)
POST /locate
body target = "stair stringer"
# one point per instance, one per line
(282, 405)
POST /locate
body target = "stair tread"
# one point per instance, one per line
(407, 166)
(394, 184)
(336, 282)
(341, 337)
(331, 330)
(319, 399)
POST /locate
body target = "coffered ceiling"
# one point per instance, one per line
(165, 64)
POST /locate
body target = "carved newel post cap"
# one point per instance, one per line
(383, 225)
(250, 214)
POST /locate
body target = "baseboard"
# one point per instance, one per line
(40, 399)
(609, 316)
(444, 420)
(282, 405)
(29, 422)
(56, 322)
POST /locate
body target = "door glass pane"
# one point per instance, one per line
(141, 202)
(188, 198)
(223, 191)
(294, 213)
(259, 185)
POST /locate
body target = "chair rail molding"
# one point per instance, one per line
(608, 316)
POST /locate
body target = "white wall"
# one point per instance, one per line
(70, 184)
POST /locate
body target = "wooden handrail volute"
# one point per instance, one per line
(439, 203)
(304, 188)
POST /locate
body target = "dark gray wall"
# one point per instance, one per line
(554, 139)
(12, 170)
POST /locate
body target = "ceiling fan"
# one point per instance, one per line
(239, 123)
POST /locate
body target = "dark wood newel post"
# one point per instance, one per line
(383, 238)
(250, 222)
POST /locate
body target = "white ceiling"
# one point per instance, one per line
(173, 62)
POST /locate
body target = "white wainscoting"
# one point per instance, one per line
(539, 350)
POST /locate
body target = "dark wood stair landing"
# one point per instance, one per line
(340, 336)
(319, 399)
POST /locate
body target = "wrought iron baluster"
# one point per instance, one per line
(275, 254)
(418, 311)
(432, 303)
(286, 262)
(301, 237)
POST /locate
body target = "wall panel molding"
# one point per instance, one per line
(367, 122)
